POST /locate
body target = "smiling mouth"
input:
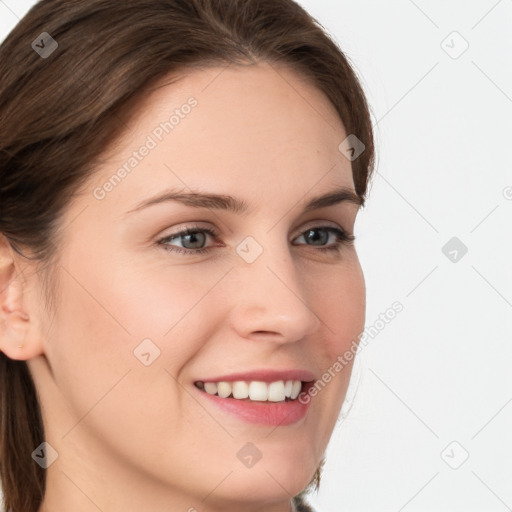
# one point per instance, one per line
(254, 391)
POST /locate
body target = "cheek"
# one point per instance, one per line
(105, 311)
(99, 323)
(340, 303)
(158, 299)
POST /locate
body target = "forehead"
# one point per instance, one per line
(240, 128)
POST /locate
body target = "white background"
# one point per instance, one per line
(441, 370)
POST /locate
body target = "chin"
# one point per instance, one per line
(257, 489)
(274, 479)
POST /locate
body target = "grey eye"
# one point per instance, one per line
(313, 236)
(193, 240)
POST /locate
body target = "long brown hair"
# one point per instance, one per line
(63, 103)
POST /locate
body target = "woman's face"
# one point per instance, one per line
(139, 324)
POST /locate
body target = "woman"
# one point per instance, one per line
(179, 185)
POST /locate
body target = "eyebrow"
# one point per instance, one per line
(239, 206)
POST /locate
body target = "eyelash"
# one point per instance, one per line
(342, 238)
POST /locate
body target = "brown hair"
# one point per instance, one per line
(61, 111)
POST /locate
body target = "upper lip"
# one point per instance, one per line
(265, 375)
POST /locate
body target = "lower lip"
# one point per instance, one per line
(266, 413)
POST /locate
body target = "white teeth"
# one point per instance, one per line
(288, 388)
(210, 387)
(224, 389)
(295, 389)
(276, 391)
(255, 390)
(258, 391)
(240, 389)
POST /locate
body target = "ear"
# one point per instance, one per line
(18, 339)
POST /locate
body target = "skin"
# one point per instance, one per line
(134, 437)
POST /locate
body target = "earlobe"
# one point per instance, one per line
(14, 328)
(12, 333)
(15, 323)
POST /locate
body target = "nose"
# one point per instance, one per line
(270, 300)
